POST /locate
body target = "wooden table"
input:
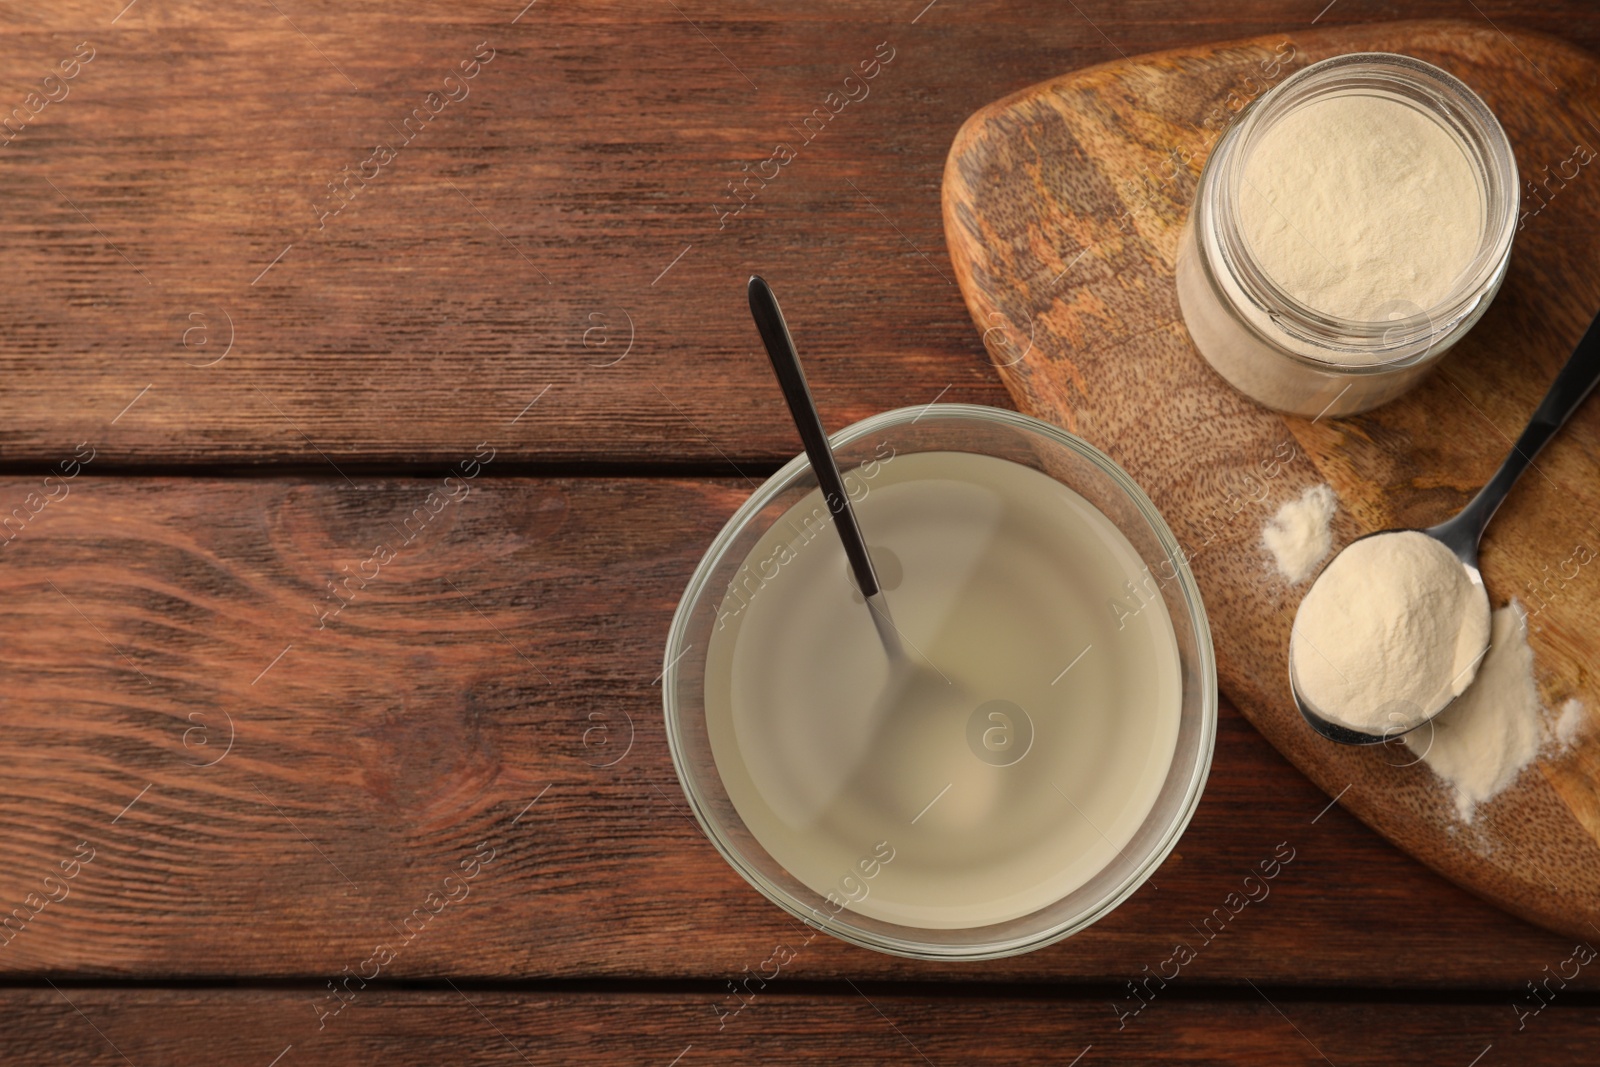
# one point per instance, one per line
(372, 380)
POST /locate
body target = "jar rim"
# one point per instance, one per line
(1462, 114)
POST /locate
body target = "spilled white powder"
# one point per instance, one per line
(1479, 744)
(1361, 207)
(1572, 724)
(1391, 631)
(1298, 536)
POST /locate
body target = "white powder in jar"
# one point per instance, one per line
(1391, 631)
(1361, 207)
(1299, 535)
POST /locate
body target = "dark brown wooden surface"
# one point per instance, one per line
(860, 1025)
(592, 149)
(509, 654)
(1035, 177)
(372, 758)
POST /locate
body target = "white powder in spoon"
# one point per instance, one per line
(1390, 632)
(1480, 743)
(1361, 207)
(1298, 536)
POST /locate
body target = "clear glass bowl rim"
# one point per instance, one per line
(909, 947)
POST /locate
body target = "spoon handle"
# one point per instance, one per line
(1576, 380)
(786, 364)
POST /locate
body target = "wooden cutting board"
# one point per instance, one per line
(1063, 206)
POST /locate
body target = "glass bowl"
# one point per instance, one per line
(1068, 461)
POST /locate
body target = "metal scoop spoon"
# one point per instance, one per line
(786, 365)
(1462, 533)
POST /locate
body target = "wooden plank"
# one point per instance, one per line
(864, 1025)
(172, 200)
(264, 797)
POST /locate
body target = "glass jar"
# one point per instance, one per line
(1284, 353)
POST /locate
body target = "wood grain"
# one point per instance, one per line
(592, 150)
(866, 1025)
(1036, 178)
(507, 655)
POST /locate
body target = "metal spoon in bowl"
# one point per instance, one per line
(1462, 533)
(786, 364)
